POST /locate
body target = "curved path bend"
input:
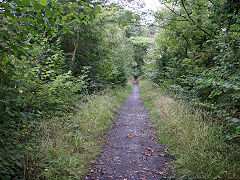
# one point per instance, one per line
(131, 150)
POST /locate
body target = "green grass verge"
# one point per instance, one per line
(69, 144)
(198, 145)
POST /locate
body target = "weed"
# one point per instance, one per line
(67, 145)
(198, 145)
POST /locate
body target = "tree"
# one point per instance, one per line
(198, 46)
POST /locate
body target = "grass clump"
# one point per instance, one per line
(197, 144)
(68, 144)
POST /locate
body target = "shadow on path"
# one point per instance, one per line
(132, 151)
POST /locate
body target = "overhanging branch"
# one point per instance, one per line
(184, 7)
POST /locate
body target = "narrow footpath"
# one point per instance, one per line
(131, 150)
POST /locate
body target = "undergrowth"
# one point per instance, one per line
(68, 144)
(197, 144)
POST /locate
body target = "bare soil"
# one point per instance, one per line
(131, 150)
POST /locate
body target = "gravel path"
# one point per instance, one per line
(131, 150)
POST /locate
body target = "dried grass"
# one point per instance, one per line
(198, 145)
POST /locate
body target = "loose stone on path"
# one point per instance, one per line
(131, 150)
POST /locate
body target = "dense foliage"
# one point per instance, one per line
(53, 52)
(196, 52)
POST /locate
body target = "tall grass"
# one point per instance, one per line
(198, 145)
(67, 145)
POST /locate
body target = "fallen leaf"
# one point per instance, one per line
(131, 175)
(130, 137)
(145, 169)
(162, 154)
(150, 149)
(116, 158)
(149, 154)
(157, 172)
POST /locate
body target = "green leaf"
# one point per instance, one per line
(71, 14)
(97, 8)
(54, 4)
(235, 27)
(84, 4)
(36, 6)
(2, 107)
(75, 4)
(64, 18)
(64, 29)
(81, 15)
(43, 2)
(19, 164)
(88, 9)
(26, 2)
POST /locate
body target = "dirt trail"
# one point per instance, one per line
(131, 151)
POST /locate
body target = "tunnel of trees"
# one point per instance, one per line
(55, 52)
